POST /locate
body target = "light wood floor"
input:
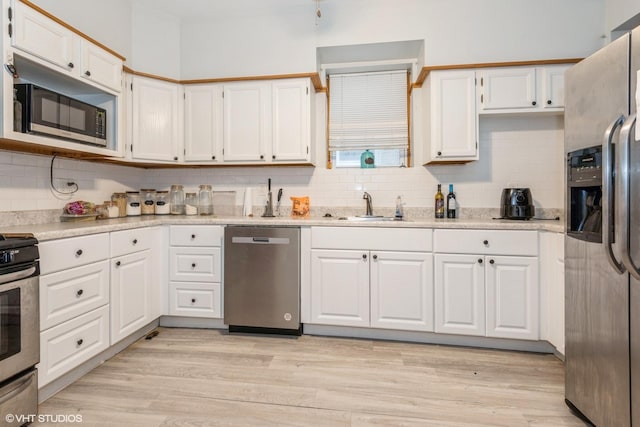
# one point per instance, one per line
(187, 377)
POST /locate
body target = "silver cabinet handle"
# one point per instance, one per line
(624, 213)
(608, 166)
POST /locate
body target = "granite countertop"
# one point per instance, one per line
(58, 230)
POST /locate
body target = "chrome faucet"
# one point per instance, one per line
(369, 200)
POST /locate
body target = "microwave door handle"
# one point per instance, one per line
(624, 157)
(608, 162)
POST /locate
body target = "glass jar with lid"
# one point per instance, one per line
(205, 200)
(162, 203)
(120, 199)
(148, 201)
(133, 203)
(176, 199)
(191, 204)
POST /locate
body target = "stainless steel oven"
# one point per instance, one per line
(19, 326)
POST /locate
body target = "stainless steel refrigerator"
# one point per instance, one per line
(602, 252)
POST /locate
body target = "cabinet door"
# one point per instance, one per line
(130, 288)
(454, 122)
(155, 119)
(247, 121)
(291, 118)
(340, 287)
(203, 123)
(512, 297)
(508, 88)
(402, 290)
(100, 66)
(36, 34)
(552, 77)
(459, 294)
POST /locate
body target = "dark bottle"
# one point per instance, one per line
(451, 203)
(439, 203)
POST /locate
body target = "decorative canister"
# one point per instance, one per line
(176, 198)
(162, 203)
(205, 200)
(120, 200)
(148, 201)
(191, 204)
(133, 203)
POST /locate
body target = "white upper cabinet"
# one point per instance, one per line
(203, 123)
(291, 120)
(452, 122)
(247, 121)
(42, 37)
(100, 66)
(268, 121)
(553, 86)
(155, 124)
(521, 89)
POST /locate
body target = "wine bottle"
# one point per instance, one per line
(451, 203)
(439, 203)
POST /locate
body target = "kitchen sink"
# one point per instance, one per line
(370, 218)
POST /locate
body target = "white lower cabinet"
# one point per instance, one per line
(340, 287)
(195, 271)
(487, 295)
(372, 287)
(74, 303)
(69, 344)
(459, 295)
(195, 299)
(130, 293)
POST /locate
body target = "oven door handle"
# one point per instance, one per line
(624, 155)
(608, 220)
(17, 389)
(12, 277)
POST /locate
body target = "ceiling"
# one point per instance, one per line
(186, 9)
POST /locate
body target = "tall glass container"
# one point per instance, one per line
(176, 199)
(163, 205)
(148, 201)
(205, 200)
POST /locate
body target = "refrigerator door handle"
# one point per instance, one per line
(608, 196)
(624, 150)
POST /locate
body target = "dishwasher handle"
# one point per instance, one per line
(261, 240)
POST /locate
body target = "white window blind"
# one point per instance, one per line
(368, 111)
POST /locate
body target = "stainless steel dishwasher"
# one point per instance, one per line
(262, 279)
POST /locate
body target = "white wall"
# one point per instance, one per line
(455, 31)
(618, 12)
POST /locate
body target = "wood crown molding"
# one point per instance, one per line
(426, 70)
(69, 27)
(315, 78)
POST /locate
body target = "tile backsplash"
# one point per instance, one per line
(514, 151)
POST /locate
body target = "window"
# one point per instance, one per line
(368, 111)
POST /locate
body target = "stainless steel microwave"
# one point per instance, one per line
(45, 112)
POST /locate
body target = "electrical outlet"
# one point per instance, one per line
(64, 184)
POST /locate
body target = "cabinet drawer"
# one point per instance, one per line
(130, 241)
(56, 255)
(196, 235)
(195, 264)
(372, 238)
(489, 242)
(195, 299)
(70, 293)
(69, 344)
